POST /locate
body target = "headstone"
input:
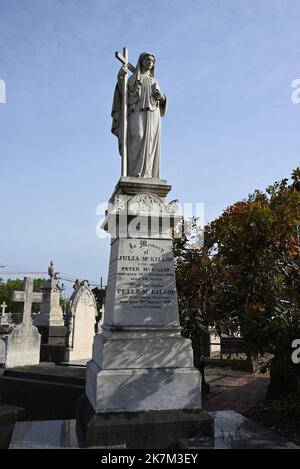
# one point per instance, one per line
(22, 346)
(3, 307)
(141, 386)
(215, 343)
(50, 321)
(5, 318)
(81, 318)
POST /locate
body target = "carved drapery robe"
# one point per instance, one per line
(143, 126)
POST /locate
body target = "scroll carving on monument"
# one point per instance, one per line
(146, 203)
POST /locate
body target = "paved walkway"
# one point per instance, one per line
(234, 390)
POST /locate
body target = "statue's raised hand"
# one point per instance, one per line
(122, 72)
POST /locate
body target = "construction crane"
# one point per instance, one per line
(20, 271)
(67, 277)
(5, 272)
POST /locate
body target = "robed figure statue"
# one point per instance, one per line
(146, 104)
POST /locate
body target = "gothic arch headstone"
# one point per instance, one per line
(81, 323)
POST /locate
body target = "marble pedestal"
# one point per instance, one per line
(141, 372)
(50, 322)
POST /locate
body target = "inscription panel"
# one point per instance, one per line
(142, 272)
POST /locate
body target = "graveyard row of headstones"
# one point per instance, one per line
(58, 338)
(53, 336)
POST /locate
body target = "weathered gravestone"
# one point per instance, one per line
(50, 321)
(22, 346)
(81, 318)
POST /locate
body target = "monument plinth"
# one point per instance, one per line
(141, 388)
(50, 321)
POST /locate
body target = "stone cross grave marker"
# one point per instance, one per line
(27, 296)
(3, 306)
(22, 346)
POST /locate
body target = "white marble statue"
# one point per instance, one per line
(144, 106)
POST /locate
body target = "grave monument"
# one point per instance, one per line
(5, 320)
(141, 387)
(22, 346)
(81, 318)
(50, 321)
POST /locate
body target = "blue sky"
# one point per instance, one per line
(226, 67)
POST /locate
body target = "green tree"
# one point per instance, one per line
(246, 275)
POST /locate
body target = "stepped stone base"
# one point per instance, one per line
(152, 429)
(134, 390)
(141, 388)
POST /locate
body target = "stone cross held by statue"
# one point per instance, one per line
(27, 296)
(124, 60)
(3, 306)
